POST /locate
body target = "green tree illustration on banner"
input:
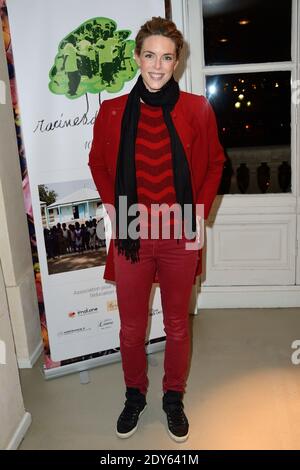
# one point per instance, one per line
(92, 58)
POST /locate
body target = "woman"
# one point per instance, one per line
(156, 145)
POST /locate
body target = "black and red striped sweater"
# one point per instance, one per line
(153, 161)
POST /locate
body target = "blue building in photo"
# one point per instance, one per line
(78, 206)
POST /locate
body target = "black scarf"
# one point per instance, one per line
(125, 184)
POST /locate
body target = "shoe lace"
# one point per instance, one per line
(130, 412)
(176, 414)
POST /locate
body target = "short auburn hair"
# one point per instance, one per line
(159, 26)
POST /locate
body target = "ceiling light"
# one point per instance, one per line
(243, 22)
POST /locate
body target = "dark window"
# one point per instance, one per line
(252, 108)
(247, 31)
(253, 112)
(75, 212)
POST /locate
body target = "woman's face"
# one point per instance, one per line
(157, 61)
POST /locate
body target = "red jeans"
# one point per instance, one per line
(176, 268)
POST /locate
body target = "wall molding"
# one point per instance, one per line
(28, 363)
(20, 432)
(248, 297)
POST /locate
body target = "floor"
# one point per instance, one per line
(243, 392)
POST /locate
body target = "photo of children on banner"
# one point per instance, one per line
(73, 228)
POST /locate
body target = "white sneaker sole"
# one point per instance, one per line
(177, 438)
(130, 433)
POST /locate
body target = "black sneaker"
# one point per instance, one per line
(178, 425)
(135, 406)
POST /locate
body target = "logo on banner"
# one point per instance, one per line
(83, 313)
(111, 305)
(74, 331)
(87, 311)
(92, 58)
(105, 324)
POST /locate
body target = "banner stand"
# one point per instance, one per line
(78, 58)
(95, 362)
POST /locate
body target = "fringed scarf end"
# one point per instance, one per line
(129, 249)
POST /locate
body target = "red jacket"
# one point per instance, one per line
(195, 124)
